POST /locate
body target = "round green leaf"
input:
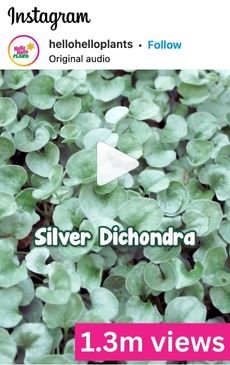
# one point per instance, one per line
(107, 205)
(218, 178)
(158, 254)
(221, 298)
(116, 284)
(116, 114)
(104, 303)
(185, 310)
(17, 225)
(81, 166)
(66, 85)
(27, 288)
(10, 299)
(201, 125)
(46, 187)
(143, 109)
(153, 180)
(185, 277)
(195, 290)
(174, 199)
(73, 252)
(135, 282)
(105, 90)
(224, 230)
(90, 274)
(28, 141)
(196, 221)
(70, 133)
(41, 162)
(68, 214)
(11, 273)
(199, 151)
(91, 138)
(8, 111)
(67, 108)
(35, 339)
(161, 277)
(64, 315)
(211, 210)
(106, 188)
(7, 205)
(12, 178)
(193, 94)
(174, 130)
(141, 131)
(7, 148)
(8, 348)
(192, 77)
(141, 213)
(16, 79)
(59, 290)
(198, 191)
(214, 267)
(141, 312)
(164, 83)
(86, 122)
(36, 258)
(41, 92)
(130, 145)
(155, 154)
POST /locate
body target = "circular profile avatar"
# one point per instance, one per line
(23, 50)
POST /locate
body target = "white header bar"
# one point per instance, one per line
(90, 34)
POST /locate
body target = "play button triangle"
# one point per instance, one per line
(112, 163)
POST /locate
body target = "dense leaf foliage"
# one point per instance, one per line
(177, 125)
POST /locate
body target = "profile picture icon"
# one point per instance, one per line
(23, 50)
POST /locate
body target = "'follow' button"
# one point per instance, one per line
(163, 44)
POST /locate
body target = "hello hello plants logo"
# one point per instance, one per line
(23, 50)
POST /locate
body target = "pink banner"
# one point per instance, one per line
(140, 342)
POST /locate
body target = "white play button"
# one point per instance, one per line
(112, 163)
